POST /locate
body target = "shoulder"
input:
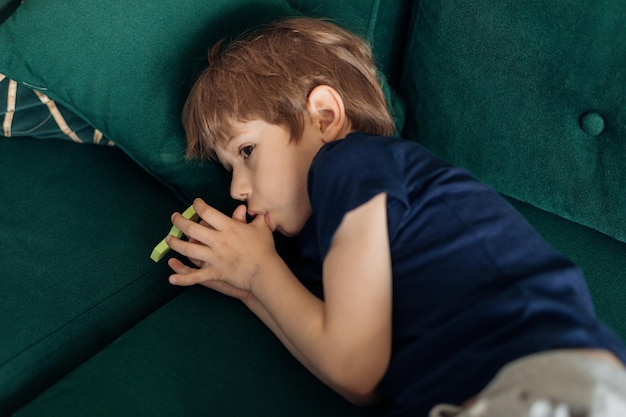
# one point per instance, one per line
(348, 173)
(380, 163)
(359, 157)
(358, 160)
(360, 148)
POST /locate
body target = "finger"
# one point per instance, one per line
(212, 216)
(240, 214)
(185, 280)
(260, 221)
(179, 267)
(198, 252)
(196, 262)
(192, 276)
(195, 232)
(182, 272)
(217, 285)
(201, 223)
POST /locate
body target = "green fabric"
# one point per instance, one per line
(382, 23)
(7, 7)
(602, 259)
(125, 67)
(506, 89)
(202, 354)
(77, 226)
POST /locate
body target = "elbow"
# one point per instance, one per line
(358, 385)
(362, 399)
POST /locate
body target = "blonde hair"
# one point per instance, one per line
(269, 74)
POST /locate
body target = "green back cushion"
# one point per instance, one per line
(125, 67)
(381, 23)
(531, 98)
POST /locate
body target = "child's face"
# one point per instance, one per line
(269, 172)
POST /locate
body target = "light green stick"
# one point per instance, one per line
(162, 248)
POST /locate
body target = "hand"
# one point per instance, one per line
(227, 252)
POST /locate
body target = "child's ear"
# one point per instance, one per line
(328, 114)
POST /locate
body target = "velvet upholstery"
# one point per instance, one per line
(601, 258)
(77, 225)
(377, 21)
(529, 98)
(200, 354)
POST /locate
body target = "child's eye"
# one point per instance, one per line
(246, 151)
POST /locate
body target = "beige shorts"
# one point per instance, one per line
(551, 384)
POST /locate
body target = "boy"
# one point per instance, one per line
(418, 284)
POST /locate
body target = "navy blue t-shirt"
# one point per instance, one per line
(474, 286)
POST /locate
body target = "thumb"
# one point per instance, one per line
(240, 214)
(260, 220)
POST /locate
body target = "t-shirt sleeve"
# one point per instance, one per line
(347, 174)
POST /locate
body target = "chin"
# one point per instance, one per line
(288, 232)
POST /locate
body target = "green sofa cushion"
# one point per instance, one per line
(77, 225)
(382, 23)
(529, 97)
(202, 354)
(125, 67)
(601, 258)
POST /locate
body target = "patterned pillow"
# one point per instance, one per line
(27, 112)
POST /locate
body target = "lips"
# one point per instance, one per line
(266, 216)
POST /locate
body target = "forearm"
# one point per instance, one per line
(262, 313)
(300, 320)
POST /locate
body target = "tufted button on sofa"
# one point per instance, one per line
(528, 96)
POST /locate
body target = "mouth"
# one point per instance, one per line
(252, 214)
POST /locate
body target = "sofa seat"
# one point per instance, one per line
(77, 226)
(200, 354)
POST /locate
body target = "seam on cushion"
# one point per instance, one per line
(405, 76)
(414, 21)
(77, 317)
(371, 25)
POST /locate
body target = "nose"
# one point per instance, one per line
(240, 188)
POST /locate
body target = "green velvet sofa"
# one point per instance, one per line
(528, 96)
